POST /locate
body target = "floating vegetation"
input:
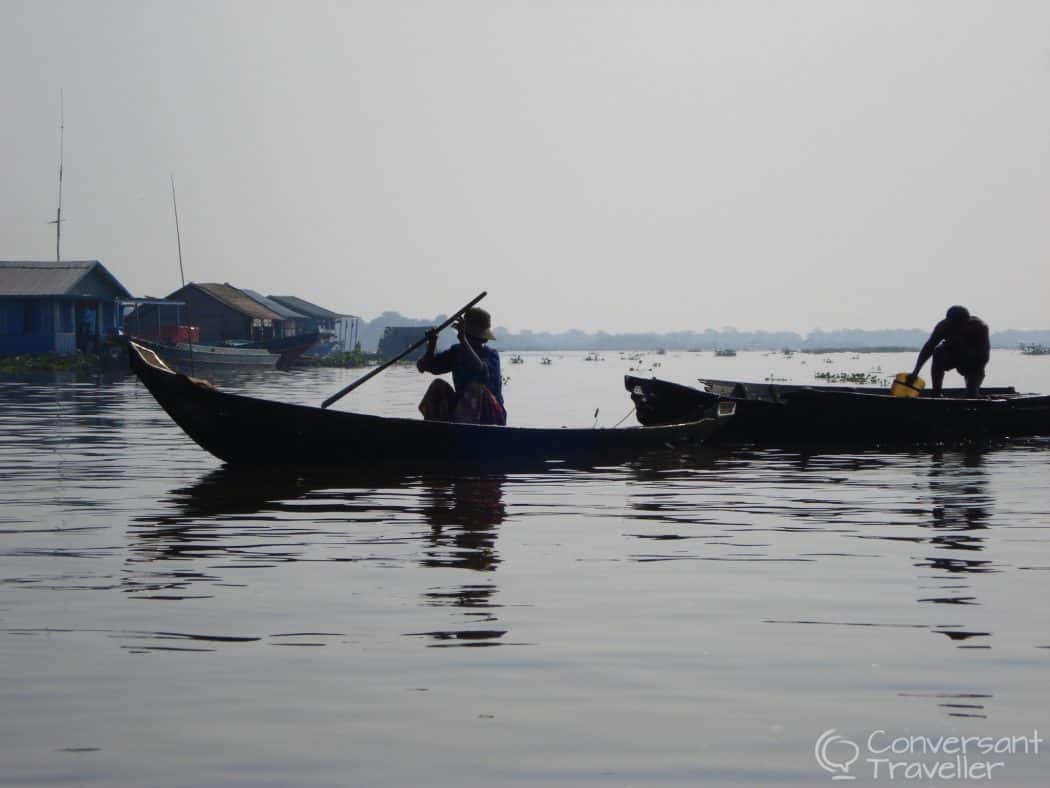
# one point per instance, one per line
(53, 362)
(774, 379)
(859, 378)
(351, 358)
(819, 351)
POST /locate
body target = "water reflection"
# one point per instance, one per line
(253, 519)
(463, 515)
(960, 511)
(945, 493)
(961, 502)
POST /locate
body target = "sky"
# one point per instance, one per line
(652, 165)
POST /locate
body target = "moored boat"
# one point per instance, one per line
(796, 413)
(242, 430)
(190, 355)
(297, 343)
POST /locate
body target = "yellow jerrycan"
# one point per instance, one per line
(904, 385)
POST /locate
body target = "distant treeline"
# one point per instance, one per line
(709, 339)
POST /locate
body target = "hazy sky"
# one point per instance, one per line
(647, 165)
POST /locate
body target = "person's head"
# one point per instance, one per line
(957, 314)
(477, 324)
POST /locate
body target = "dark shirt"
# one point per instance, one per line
(464, 371)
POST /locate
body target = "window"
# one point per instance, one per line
(65, 311)
(10, 318)
(35, 318)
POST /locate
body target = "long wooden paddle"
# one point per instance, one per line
(344, 391)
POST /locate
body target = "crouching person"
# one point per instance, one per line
(477, 396)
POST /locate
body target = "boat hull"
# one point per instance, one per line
(186, 355)
(248, 431)
(770, 412)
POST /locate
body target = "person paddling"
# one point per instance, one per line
(478, 394)
(960, 341)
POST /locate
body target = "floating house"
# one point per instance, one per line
(315, 318)
(292, 323)
(57, 307)
(220, 312)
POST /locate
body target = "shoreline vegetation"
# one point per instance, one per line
(846, 340)
(878, 349)
(79, 362)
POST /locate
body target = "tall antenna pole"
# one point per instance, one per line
(182, 274)
(61, 150)
(178, 238)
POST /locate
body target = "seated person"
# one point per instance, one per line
(478, 394)
(961, 342)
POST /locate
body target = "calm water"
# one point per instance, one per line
(682, 621)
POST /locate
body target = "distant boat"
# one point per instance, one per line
(1033, 349)
(186, 355)
(725, 352)
(288, 349)
(517, 360)
(280, 345)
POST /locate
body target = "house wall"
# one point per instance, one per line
(27, 326)
(217, 321)
(53, 325)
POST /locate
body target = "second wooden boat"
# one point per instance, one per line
(793, 413)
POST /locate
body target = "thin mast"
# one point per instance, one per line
(178, 238)
(182, 275)
(61, 150)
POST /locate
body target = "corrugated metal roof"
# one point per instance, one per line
(306, 308)
(40, 278)
(269, 303)
(237, 300)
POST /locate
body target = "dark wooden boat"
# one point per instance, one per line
(793, 413)
(287, 348)
(243, 430)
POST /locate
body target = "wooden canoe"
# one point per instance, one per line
(242, 430)
(793, 413)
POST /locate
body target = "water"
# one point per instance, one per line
(166, 622)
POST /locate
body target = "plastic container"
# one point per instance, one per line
(904, 385)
